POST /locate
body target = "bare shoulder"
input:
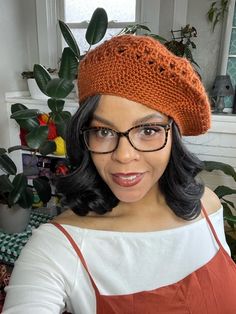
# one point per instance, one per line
(66, 217)
(210, 201)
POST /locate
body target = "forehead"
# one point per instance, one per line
(119, 109)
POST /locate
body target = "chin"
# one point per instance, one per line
(129, 197)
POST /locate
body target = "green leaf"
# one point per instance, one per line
(20, 184)
(27, 124)
(2, 151)
(47, 147)
(227, 212)
(59, 88)
(97, 26)
(230, 218)
(43, 189)
(37, 136)
(19, 147)
(224, 190)
(69, 38)
(228, 202)
(56, 105)
(61, 130)
(5, 184)
(69, 65)
(25, 114)
(26, 199)
(7, 165)
(215, 165)
(157, 37)
(42, 77)
(17, 107)
(61, 120)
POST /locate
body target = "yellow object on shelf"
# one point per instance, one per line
(60, 146)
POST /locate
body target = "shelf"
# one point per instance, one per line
(25, 98)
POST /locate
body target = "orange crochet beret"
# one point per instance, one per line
(141, 69)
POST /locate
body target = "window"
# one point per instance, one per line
(78, 13)
(228, 50)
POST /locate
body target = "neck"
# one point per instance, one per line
(153, 202)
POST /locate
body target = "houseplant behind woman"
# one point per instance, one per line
(142, 235)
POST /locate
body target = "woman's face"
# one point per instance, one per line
(131, 175)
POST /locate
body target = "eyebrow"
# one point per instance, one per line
(136, 122)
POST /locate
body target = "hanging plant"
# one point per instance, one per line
(217, 12)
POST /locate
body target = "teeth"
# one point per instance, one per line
(128, 177)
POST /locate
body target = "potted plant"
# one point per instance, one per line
(229, 207)
(17, 196)
(34, 90)
(45, 132)
(217, 11)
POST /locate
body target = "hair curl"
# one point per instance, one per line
(83, 189)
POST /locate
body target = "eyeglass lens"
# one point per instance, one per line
(144, 138)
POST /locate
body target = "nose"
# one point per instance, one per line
(125, 152)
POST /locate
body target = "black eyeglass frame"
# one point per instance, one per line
(166, 127)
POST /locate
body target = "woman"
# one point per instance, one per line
(142, 234)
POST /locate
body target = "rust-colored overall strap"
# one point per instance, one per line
(212, 228)
(77, 250)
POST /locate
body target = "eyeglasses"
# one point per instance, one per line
(144, 138)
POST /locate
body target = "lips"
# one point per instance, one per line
(127, 179)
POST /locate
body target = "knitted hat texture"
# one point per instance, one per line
(143, 70)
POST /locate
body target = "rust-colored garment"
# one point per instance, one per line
(211, 289)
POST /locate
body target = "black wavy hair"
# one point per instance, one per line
(83, 190)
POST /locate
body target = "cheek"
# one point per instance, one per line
(100, 162)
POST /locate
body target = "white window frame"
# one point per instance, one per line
(225, 39)
(49, 11)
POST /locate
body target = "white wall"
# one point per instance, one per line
(18, 51)
(208, 42)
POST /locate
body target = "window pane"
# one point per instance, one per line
(82, 43)
(119, 11)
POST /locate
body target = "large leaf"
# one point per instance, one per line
(17, 106)
(37, 136)
(59, 88)
(69, 65)
(230, 219)
(42, 77)
(97, 26)
(27, 124)
(20, 184)
(43, 189)
(25, 114)
(215, 165)
(224, 190)
(7, 165)
(2, 151)
(27, 198)
(61, 120)
(56, 105)
(227, 212)
(69, 38)
(47, 147)
(61, 117)
(5, 184)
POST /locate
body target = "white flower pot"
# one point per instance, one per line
(14, 219)
(34, 90)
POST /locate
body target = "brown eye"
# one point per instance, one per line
(105, 133)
